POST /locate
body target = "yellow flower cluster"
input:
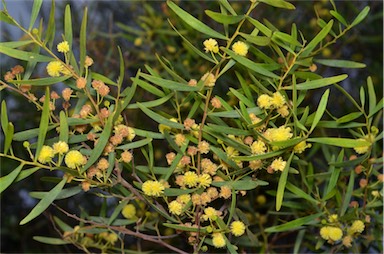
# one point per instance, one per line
(258, 147)
(211, 45)
(357, 227)
(46, 154)
(276, 101)
(74, 159)
(129, 211)
(152, 188)
(55, 68)
(240, 48)
(237, 228)
(331, 233)
(300, 147)
(63, 47)
(278, 134)
(218, 240)
(175, 207)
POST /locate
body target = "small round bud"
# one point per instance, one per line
(26, 144)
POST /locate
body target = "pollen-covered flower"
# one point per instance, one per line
(278, 100)
(237, 228)
(184, 198)
(258, 147)
(255, 164)
(278, 134)
(129, 211)
(126, 156)
(60, 147)
(66, 93)
(208, 166)
(191, 179)
(356, 227)
(103, 164)
(74, 159)
(240, 48)
(203, 147)
(81, 83)
(278, 164)
(225, 192)
(264, 101)
(54, 68)
(211, 45)
(175, 207)
(152, 188)
(331, 233)
(46, 154)
(218, 240)
(283, 111)
(210, 213)
(215, 102)
(180, 139)
(205, 180)
(300, 147)
(208, 79)
(332, 218)
(63, 47)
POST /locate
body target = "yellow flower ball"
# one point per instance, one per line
(205, 180)
(63, 47)
(211, 45)
(264, 101)
(278, 134)
(54, 68)
(210, 213)
(46, 154)
(300, 147)
(278, 164)
(208, 79)
(60, 147)
(237, 228)
(278, 100)
(152, 188)
(218, 240)
(74, 159)
(331, 233)
(356, 227)
(240, 48)
(129, 211)
(191, 179)
(258, 147)
(175, 207)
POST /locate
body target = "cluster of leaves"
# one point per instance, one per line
(224, 156)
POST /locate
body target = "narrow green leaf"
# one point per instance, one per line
(228, 6)
(4, 117)
(235, 113)
(250, 64)
(265, 30)
(282, 182)
(15, 44)
(51, 28)
(371, 95)
(102, 142)
(68, 25)
(8, 137)
(63, 136)
(338, 17)
(223, 18)
(35, 12)
(150, 88)
(171, 85)
(185, 228)
(320, 110)
(7, 180)
(83, 40)
(173, 192)
(103, 78)
(62, 225)
(318, 38)
(63, 194)
(25, 173)
(194, 23)
(242, 98)
(279, 4)
(135, 144)
(286, 38)
(42, 81)
(259, 157)
(45, 202)
(295, 224)
(313, 84)
(121, 68)
(23, 55)
(361, 16)
(341, 142)
(348, 194)
(335, 172)
(28, 134)
(300, 193)
(5, 17)
(44, 122)
(154, 103)
(349, 117)
(340, 63)
(160, 119)
(50, 240)
(117, 211)
(257, 40)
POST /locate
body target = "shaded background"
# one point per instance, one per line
(141, 29)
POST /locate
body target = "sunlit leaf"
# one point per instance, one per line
(7, 180)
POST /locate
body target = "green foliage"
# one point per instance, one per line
(230, 139)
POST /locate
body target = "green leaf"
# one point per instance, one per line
(15, 44)
(173, 192)
(338, 17)
(259, 157)
(25, 173)
(51, 28)
(195, 23)
(371, 95)
(135, 144)
(300, 193)
(35, 11)
(318, 38)
(279, 4)
(42, 81)
(151, 104)
(65, 193)
(295, 224)
(282, 182)
(4, 17)
(171, 85)
(286, 38)
(103, 78)
(117, 211)
(320, 110)
(235, 113)
(228, 6)
(265, 30)
(340, 63)
(45, 202)
(4, 117)
(7, 180)
(348, 194)
(8, 137)
(361, 16)
(313, 84)
(341, 142)
(102, 142)
(242, 98)
(83, 40)
(223, 18)
(150, 88)
(23, 55)
(68, 25)
(28, 134)
(160, 119)
(63, 136)
(44, 122)
(121, 68)
(50, 240)
(258, 68)
(257, 40)
(245, 184)
(349, 117)
(185, 228)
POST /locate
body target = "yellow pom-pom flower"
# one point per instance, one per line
(191, 179)
(205, 180)
(46, 154)
(258, 147)
(278, 100)
(278, 134)
(153, 188)
(218, 240)
(210, 45)
(74, 159)
(60, 147)
(278, 164)
(54, 68)
(210, 213)
(264, 101)
(129, 211)
(300, 147)
(175, 207)
(331, 233)
(237, 228)
(240, 48)
(63, 47)
(356, 227)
